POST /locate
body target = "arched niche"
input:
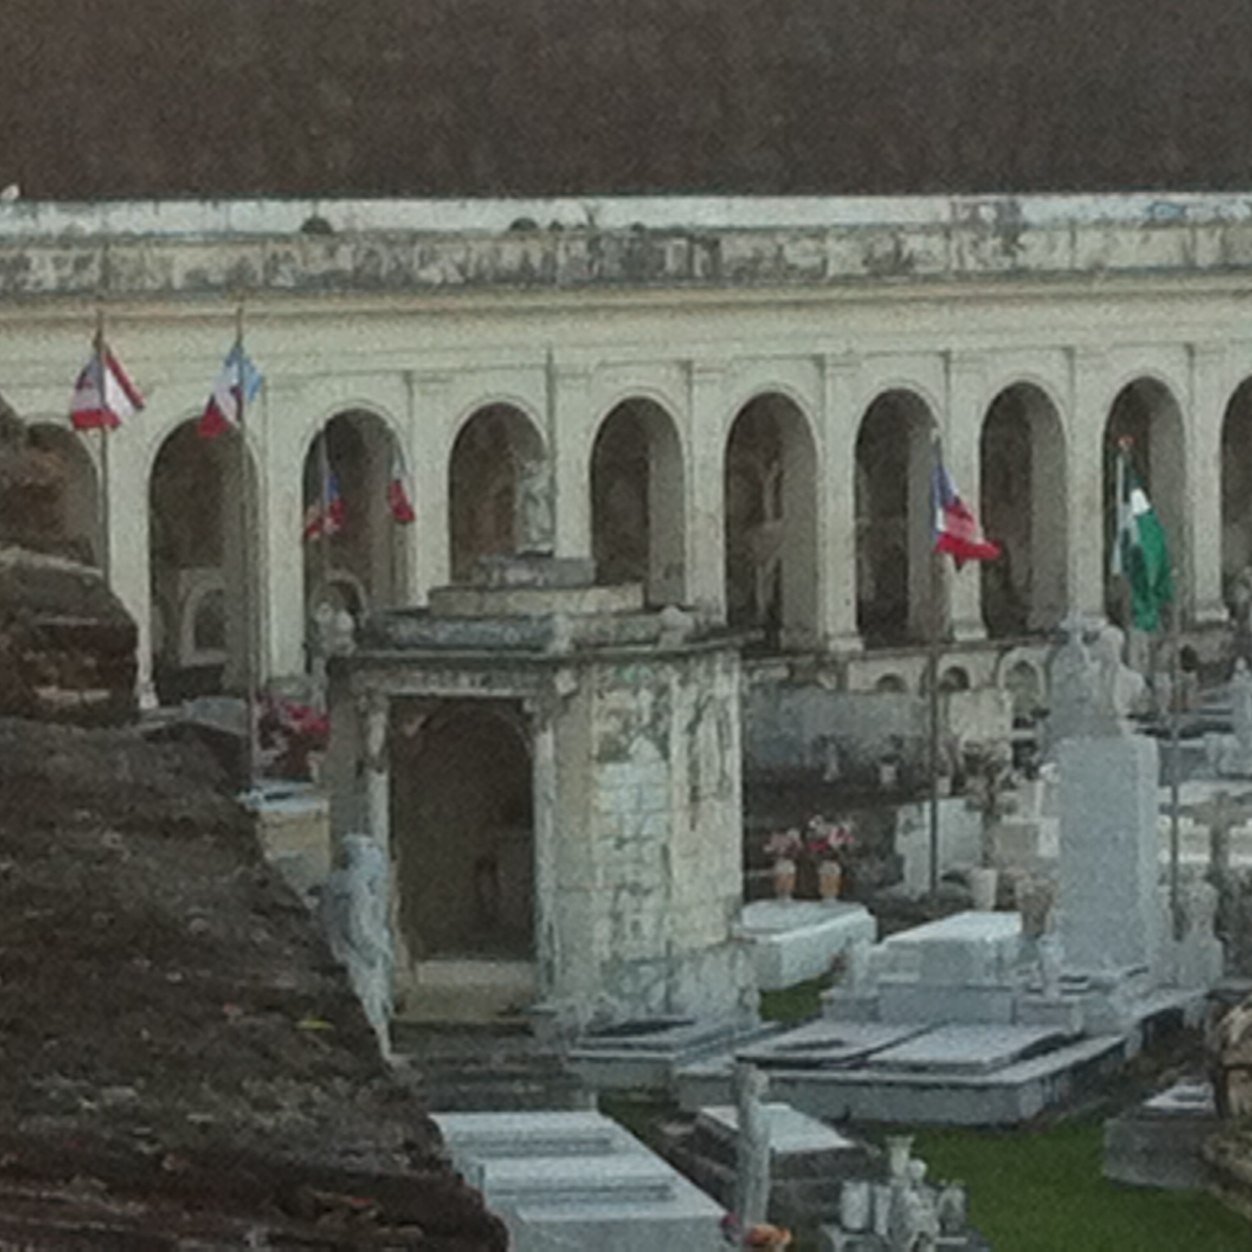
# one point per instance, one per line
(499, 489)
(196, 538)
(1023, 507)
(771, 522)
(369, 549)
(1236, 488)
(1146, 414)
(894, 460)
(637, 513)
(463, 836)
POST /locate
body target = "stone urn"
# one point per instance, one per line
(984, 880)
(829, 879)
(784, 878)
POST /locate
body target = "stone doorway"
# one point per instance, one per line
(463, 841)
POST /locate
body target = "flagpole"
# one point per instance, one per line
(323, 536)
(1175, 753)
(245, 554)
(106, 547)
(932, 671)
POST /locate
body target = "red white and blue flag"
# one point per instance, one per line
(398, 499)
(236, 385)
(104, 395)
(325, 516)
(956, 528)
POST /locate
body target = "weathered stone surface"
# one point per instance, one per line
(67, 647)
(179, 1050)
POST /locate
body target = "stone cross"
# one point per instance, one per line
(752, 1151)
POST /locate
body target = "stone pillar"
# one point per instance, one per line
(1202, 556)
(1085, 463)
(429, 457)
(1048, 520)
(374, 718)
(569, 461)
(920, 523)
(966, 390)
(129, 561)
(706, 490)
(285, 408)
(549, 958)
(836, 517)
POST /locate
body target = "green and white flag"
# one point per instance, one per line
(1140, 554)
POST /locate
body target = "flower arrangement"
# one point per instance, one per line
(784, 845)
(828, 841)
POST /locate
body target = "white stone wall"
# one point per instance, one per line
(795, 310)
(648, 836)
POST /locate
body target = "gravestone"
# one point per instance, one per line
(1108, 909)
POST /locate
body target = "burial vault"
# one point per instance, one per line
(555, 773)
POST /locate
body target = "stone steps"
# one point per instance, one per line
(501, 1068)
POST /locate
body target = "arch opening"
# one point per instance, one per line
(1146, 413)
(1236, 504)
(893, 520)
(637, 511)
(1023, 505)
(499, 489)
(196, 559)
(359, 561)
(463, 838)
(771, 523)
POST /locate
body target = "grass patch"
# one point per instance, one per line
(794, 1004)
(1044, 1192)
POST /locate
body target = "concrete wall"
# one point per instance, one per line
(425, 324)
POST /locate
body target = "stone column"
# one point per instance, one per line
(129, 572)
(966, 390)
(836, 521)
(285, 408)
(549, 958)
(429, 457)
(569, 462)
(374, 717)
(1201, 574)
(706, 489)
(1085, 532)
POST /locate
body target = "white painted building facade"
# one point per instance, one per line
(821, 328)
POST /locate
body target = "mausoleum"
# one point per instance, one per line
(556, 772)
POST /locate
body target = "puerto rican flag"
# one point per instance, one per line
(104, 395)
(398, 499)
(956, 528)
(236, 385)
(325, 516)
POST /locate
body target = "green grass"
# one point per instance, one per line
(1043, 1192)
(794, 1004)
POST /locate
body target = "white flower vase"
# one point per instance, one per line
(784, 878)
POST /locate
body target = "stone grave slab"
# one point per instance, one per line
(956, 1049)
(796, 940)
(901, 1001)
(643, 1054)
(483, 1136)
(965, 948)
(792, 1133)
(827, 1043)
(1159, 1143)
(578, 1180)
